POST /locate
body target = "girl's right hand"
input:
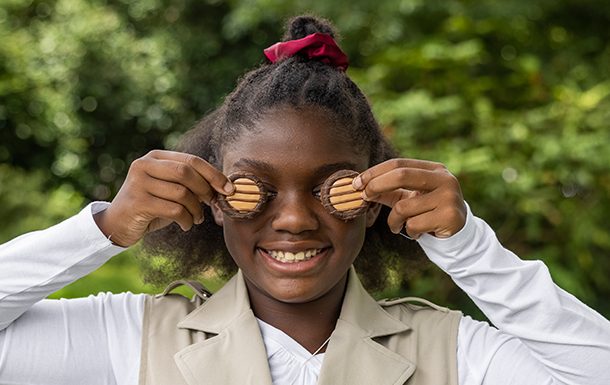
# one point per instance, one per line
(161, 187)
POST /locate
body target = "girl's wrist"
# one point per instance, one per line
(102, 221)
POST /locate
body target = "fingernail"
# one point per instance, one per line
(363, 195)
(229, 188)
(357, 183)
(199, 220)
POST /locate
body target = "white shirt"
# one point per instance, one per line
(546, 335)
(289, 362)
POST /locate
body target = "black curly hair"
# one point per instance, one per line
(296, 82)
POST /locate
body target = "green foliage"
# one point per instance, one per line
(26, 204)
(512, 96)
(515, 102)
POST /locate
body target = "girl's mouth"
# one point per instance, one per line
(293, 257)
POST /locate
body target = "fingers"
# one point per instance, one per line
(182, 174)
(181, 167)
(382, 168)
(442, 223)
(182, 181)
(423, 195)
(173, 212)
(180, 195)
(127, 219)
(409, 208)
(404, 173)
(162, 187)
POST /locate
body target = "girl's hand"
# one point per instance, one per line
(423, 195)
(161, 187)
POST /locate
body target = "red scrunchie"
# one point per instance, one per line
(319, 46)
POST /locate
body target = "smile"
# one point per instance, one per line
(289, 257)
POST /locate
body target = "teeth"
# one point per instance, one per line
(288, 257)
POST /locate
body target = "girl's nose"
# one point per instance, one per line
(295, 213)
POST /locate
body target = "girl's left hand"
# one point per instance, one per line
(424, 196)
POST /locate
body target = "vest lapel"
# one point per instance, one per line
(235, 353)
(353, 357)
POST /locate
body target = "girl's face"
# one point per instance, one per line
(292, 152)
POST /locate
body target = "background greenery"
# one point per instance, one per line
(513, 96)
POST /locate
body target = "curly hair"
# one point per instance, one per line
(297, 82)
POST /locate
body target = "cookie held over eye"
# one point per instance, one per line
(247, 200)
(340, 198)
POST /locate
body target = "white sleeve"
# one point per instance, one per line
(39, 263)
(94, 340)
(545, 336)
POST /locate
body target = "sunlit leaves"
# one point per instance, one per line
(512, 96)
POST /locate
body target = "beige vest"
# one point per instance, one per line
(217, 340)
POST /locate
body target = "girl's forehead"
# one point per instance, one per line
(310, 169)
(299, 141)
(289, 164)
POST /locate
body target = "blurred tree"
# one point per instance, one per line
(512, 96)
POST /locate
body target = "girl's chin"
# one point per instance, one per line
(296, 295)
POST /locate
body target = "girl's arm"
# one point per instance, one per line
(161, 187)
(94, 340)
(39, 263)
(546, 335)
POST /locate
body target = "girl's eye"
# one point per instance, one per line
(317, 192)
(271, 195)
(269, 191)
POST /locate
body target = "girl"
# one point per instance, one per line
(262, 169)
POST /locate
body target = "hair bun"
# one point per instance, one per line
(300, 26)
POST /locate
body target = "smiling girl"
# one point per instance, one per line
(260, 172)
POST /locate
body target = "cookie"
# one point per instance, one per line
(340, 198)
(247, 200)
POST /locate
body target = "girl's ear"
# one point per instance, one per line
(217, 212)
(372, 213)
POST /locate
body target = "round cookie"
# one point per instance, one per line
(248, 198)
(340, 198)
